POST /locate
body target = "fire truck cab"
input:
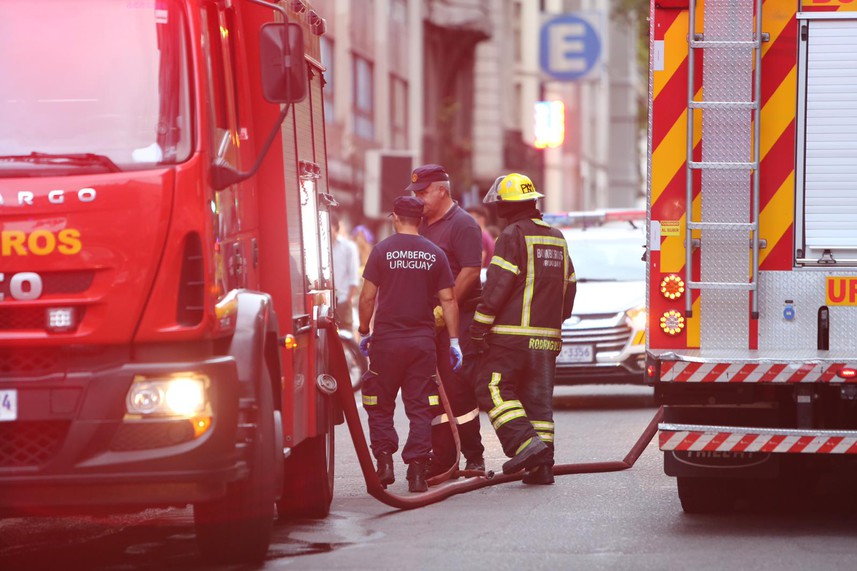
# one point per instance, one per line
(165, 272)
(752, 247)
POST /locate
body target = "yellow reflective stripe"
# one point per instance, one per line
(542, 425)
(484, 319)
(572, 278)
(498, 261)
(507, 405)
(506, 417)
(528, 331)
(545, 436)
(494, 389)
(434, 400)
(529, 284)
(523, 445)
(370, 400)
(540, 222)
(546, 240)
(459, 420)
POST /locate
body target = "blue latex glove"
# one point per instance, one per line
(455, 358)
(364, 344)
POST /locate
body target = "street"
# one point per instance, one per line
(619, 520)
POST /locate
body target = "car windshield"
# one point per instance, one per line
(92, 84)
(606, 256)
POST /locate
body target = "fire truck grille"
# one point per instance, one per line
(27, 318)
(58, 283)
(603, 338)
(147, 435)
(25, 361)
(29, 444)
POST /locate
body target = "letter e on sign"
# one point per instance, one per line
(569, 45)
(841, 290)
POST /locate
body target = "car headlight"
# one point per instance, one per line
(181, 395)
(637, 317)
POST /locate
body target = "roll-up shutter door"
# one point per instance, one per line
(830, 182)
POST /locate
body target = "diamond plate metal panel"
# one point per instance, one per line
(806, 288)
(726, 137)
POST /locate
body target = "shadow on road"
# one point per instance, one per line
(603, 398)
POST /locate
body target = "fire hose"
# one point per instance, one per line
(475, 479)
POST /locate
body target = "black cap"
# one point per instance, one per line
(409, 206)
(425, 175)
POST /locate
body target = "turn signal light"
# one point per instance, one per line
(672, 287)
(672, 322)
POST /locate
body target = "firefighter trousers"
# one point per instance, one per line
(518, 387)
(460, 389)
(407, 364)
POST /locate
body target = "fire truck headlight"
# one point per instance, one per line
(637, 317)
(176, 396)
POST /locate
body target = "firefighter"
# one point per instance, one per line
(456, 232)
(528, 293)
(405, 272)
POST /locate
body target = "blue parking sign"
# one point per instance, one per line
(569, 47)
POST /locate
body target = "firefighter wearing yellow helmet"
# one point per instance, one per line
(528, 293)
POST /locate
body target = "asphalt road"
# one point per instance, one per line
(620, 520)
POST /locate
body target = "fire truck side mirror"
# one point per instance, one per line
(283, 67)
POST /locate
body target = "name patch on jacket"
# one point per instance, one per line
(549, 257)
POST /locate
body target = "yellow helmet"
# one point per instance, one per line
(512, 188)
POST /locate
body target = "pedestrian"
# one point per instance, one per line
(528, 293)
(406, 273)
(456, 233)
(346, 276)
(481, 216)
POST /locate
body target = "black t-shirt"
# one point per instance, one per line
(409, 271)
(458, 234)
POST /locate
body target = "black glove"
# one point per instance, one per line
(478, 332)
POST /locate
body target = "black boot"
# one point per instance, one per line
(539, 475)
(529, 455)
(478, 464)
(385, 469)
(417, 476)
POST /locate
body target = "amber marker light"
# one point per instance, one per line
(672, 322)
(672, 287)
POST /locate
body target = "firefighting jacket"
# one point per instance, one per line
(530, 288)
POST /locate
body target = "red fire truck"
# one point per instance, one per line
(165, 267)
(752, 246)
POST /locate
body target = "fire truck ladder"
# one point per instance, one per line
(730, 107)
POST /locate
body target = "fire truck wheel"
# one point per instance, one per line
(708, 495)
(237, 528)
(308, 482)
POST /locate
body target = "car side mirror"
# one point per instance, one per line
(283, 67)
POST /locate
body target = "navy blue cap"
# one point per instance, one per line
(425, 175)
(409, 206)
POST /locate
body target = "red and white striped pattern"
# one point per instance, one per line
(796, 372)
(727, 439)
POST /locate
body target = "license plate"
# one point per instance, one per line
(8, 405)
(575, 354)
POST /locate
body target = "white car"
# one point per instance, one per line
(604, 340)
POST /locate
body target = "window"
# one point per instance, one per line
(398, 112)
(364, 98)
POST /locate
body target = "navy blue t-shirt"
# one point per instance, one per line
(459, 236)
(409, 271)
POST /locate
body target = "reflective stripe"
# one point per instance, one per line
(482, 318)
(572, 278)
(542, 425)
(523, 445)
(459, 420)
(494, 389)
(434, 400)
(540, 222)
(527, 331)
(501, 408)
(500, 262)
(545, 436)
(506, 417)
(370, 400)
